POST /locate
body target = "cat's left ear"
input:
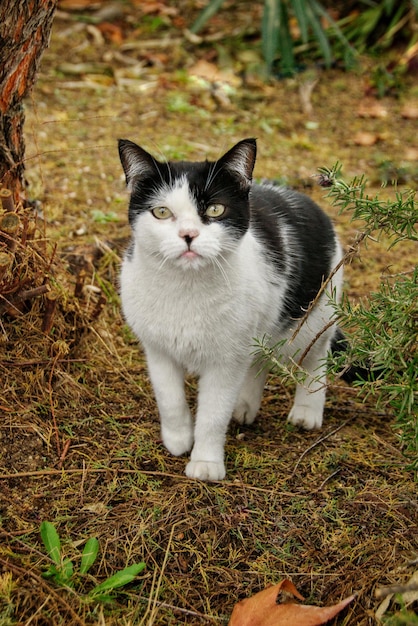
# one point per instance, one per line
(240, 160)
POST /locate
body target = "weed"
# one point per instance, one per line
(63, 573)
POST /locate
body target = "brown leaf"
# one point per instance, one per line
(262, 609)
(364, 138)
(411, 154)
(372, 108)
(111, 32)
(410, 111)
(212, 73)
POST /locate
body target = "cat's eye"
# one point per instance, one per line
(215, 210)
(161, 213)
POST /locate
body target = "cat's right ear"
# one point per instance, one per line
(136, 162)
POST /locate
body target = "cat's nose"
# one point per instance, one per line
(188, 234)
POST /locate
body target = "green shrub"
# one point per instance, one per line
(383, 328)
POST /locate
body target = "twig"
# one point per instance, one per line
(324, 482)
(316, 443)
(180, 609)
(33, 293)
(383, 592)
(314, 340)
(347, 257)
(49, 313)
(152, 604)
(64, 452)
(51, 404)
(105, 470)
(6, 197)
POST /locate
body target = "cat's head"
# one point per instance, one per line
(188, 213)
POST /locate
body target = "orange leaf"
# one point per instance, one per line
(364, 138)
(263, 610)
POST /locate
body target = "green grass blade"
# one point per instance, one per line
(270, 26)
(319, 33)
(337, 31)
(89, 555)
(51, 541)
(120, 579)
(287, 60)
(299, 8)
(206, 14)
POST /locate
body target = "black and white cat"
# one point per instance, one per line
(215, 262)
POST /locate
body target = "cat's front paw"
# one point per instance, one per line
(305, 417)
(205, 470)
(179, 441)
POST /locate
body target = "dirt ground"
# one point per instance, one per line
(335, 511)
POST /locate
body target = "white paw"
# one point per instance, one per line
(177, 442)
(205, 470)
(306, 417)
(244, 413)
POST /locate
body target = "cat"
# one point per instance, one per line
(215, 262)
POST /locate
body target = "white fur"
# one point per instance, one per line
(200, 314)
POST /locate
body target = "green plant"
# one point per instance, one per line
(377, 24)
(384, 327)
(63, 573)
(401, 618)
(277, 39)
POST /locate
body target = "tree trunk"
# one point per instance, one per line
(25, 26)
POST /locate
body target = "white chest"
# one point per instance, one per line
(204, 316)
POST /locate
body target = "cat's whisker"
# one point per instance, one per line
(211, 175)
(156, 164)
(162, 263)
(216, 262)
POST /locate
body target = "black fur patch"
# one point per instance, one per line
(305, 250)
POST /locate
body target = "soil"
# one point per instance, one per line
(335, 511)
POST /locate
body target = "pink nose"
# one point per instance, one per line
(188, 233)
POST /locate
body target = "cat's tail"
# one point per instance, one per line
(352, 372)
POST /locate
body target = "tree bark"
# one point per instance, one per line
(25, 27)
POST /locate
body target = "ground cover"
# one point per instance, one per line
(335, 511)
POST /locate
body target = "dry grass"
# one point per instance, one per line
(334, 511)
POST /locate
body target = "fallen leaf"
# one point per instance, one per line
(212, 73)
(411, 154)
(363, 138)
(262, 609)
(372, 108)
(111, 32)
(410, 111)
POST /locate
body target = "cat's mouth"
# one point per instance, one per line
(190, 254)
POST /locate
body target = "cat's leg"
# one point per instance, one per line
(218, 392)
(309, 402)
(167, 379)
(249, 398)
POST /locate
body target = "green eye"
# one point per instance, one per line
(215, 210)
(161, 213)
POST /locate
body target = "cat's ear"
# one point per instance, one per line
(240, 160)
(136, 161)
